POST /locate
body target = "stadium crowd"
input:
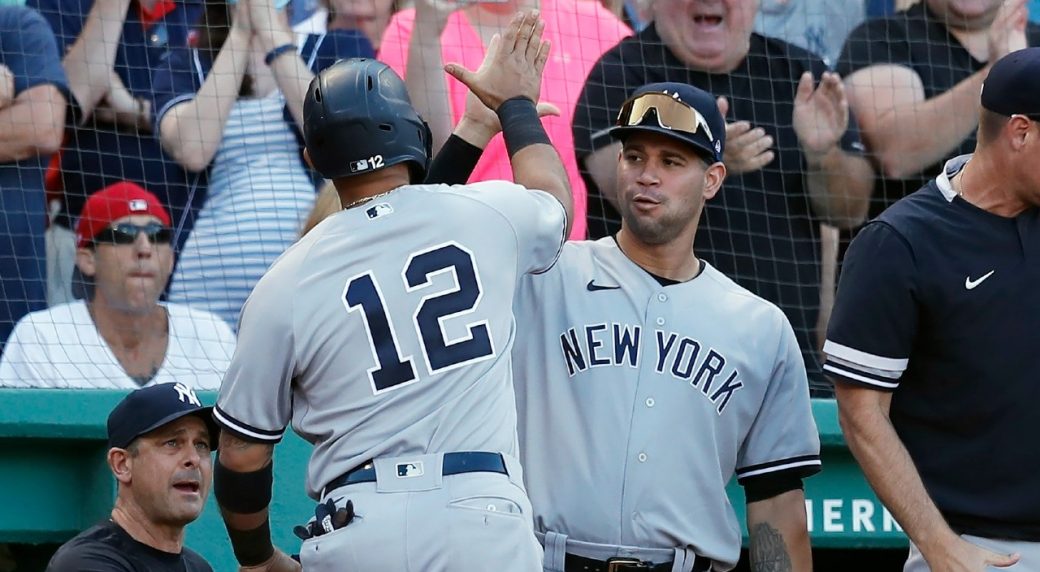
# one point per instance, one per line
(834, 111)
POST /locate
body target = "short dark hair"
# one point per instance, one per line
(991, 124)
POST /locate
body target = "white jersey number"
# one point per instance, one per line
(440, 354)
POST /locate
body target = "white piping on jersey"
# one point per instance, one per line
(861, 368)
(783, 467)
(225, 420)
(314, 52)
(851, 375)
(864, 359)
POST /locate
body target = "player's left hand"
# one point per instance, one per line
(513, 64)
(821, 116)
(278, 562)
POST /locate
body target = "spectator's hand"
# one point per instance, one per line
(279, 562)
(1007, 33)
(963, 556)
(240, 20)
(512, 66)
(6, 86)
(479, 124)
(821, 116)
(747, 149)
(269, 24)
(120, 107)
(431, 17)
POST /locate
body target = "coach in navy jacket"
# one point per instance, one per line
(932, 343)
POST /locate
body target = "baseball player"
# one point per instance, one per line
(384, 335)
(646, 379)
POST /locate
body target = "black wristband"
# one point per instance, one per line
(252, 547)
(242, 493)
(274, 53)
(454, 163)
(521, 126)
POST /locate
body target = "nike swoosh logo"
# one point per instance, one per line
(592, 286)
(971, 284)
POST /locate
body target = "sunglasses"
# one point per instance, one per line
(670, 112)
(126, 233)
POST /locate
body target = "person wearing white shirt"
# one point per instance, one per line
(122, 337)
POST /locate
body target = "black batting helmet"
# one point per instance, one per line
(357, 118)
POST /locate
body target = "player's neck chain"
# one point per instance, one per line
(364, 200)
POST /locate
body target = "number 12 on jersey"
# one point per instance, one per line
(393, 370)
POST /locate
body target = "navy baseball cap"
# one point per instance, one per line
(146, 409)
(677, 110)
(1013, 84)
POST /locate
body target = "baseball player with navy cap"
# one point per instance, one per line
(932, 344)
(646, 379)
(384, 335)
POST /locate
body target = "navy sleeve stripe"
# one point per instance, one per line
(857, 378)
(246, 430)
(875, 374)
(171, 103)
(804, 462)
(864, 359)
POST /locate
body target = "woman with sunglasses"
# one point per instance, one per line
(232, 106)
(121, 337)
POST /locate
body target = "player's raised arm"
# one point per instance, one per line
(509, 81)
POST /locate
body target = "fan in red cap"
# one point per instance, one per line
(113, 203)
(121, 336)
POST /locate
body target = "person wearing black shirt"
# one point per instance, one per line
(932, 344)
(913, 81)
(793, 152)
(159, 441)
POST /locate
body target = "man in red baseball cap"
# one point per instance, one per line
(122, 336)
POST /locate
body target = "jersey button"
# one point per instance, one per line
(660, 321)
(662, 297)
(642, 457)
(649, 401)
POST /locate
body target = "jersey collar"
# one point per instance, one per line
(950, 170)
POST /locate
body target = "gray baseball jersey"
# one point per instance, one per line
(638, 402)
(387, 329)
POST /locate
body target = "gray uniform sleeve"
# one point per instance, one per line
(255, 401)
(783, 440)
(538, 220)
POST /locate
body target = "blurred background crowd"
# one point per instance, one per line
(151, 162)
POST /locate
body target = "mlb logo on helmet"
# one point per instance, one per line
(138, 205)
(358, 166)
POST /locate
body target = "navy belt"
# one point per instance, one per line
(575, 563)
(452, 464)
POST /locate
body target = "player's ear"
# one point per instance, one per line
(714, 175)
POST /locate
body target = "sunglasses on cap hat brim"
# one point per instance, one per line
(671, 114)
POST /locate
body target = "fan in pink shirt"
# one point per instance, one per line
(580, 32)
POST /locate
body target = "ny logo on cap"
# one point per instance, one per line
(138, 205)
(187, 394)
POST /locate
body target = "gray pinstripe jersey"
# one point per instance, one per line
(387, 330)
(639, 402)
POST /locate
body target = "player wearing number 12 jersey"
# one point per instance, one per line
(384, 335)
